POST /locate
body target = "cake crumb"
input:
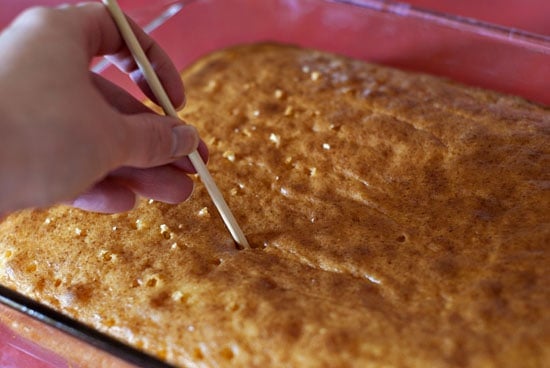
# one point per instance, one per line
(177, 295)
(346, 89)
(230, 155)
(315, 76)
(106, 256)
(372, 279)
(47, 221)
(165, 232)
(212, 86)
(312, 171)
(7, 255)
(203, 212)
(153, 280)
(279, 94)
(288, 110)
(326, 146)
(275, 139)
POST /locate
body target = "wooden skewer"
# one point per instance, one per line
(162, 97)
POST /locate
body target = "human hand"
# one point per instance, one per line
(69, 135)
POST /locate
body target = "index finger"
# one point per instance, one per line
(102, 37)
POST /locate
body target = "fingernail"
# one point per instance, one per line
(185, 140)
(182, 104)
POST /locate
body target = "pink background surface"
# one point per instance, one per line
(530, 15)
(16, 352)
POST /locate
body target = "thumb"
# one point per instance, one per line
(150, 140)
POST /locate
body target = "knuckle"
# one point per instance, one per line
(158, 143)
(39, 16)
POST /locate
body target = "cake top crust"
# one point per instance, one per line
(397, 219)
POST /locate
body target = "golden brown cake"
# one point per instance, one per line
(397, 219)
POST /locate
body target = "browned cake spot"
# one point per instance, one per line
(397, 219)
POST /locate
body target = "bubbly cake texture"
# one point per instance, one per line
(397, 220)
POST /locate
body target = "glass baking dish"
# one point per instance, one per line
(389, 33)
(395, 34)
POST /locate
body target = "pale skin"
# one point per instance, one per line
(70, 136)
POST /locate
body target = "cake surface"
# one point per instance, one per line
(397, 220)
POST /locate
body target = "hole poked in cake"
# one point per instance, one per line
(161, 353)
(139, 224)
(150, 281)
(80, 293)
(227, 353)
(31, 268)
(109, 322)
(181, 297)
(165, 232)
(198, 353)
(80, 232)
(7, 254)
(233, 306)
(401, 238)
(253, 245)
(261, 240)
(106, 256)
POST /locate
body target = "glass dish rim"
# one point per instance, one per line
(536, 41)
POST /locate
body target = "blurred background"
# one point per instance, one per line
(528, 15)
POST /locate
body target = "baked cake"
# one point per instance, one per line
(397, 220)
